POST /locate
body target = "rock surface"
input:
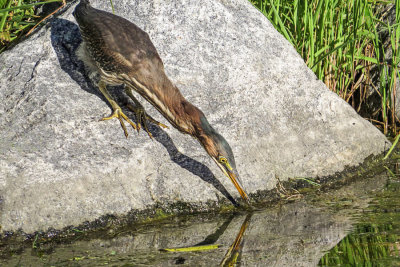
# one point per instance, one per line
(60, 166)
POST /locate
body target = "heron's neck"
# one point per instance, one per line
(183, 115)
(169, 101)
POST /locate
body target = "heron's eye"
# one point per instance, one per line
(223, 160)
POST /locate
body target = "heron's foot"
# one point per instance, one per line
(117, 113)
(142, 118)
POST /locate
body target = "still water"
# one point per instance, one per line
(355, 225)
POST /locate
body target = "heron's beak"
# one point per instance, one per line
(237, 184)
(234, 177)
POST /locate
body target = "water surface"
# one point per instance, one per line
(357, 224)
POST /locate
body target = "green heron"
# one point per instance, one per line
(122, 53)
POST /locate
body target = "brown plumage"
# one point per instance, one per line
(123, 54)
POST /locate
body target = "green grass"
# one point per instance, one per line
(341, 42)
(16, 18)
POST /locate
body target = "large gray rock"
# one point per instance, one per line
(60, 166)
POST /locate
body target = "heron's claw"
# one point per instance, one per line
(117, 113)
(142, 117)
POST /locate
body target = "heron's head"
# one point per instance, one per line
(220, 151)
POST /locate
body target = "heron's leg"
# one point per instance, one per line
(141, 116)
(117, 112)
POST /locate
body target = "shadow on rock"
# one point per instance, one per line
(66, 38)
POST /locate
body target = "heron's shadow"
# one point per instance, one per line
(65, 39)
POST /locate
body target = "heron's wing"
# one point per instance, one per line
(118, 44)
(120, 47)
